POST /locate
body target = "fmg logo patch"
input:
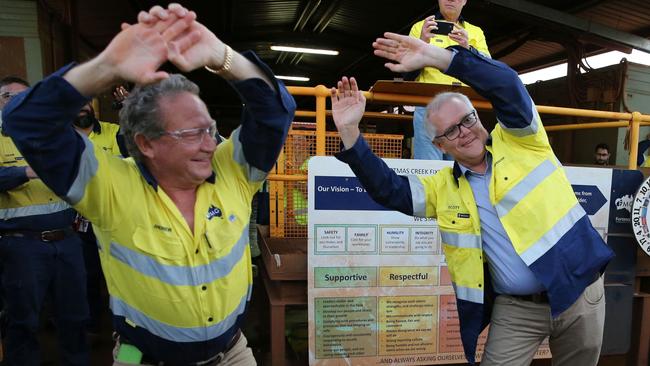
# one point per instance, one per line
(213, 212)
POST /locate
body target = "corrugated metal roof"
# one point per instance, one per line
(350, 26)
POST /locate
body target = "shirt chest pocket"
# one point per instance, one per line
(166, 275)
(222, 238)
(159, 245)
(454, 220)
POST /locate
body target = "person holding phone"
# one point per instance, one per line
(434, 30)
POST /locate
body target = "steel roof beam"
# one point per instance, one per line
(575, 23)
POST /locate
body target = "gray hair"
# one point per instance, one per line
(141, 111)
(436, 103)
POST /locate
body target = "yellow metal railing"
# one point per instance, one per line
(288, 182)
(633, 120)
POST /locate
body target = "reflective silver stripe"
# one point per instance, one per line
(252, 173)
(417, 196)
(33, 210)
(182, 275)
(87, 169)
(178, 334)
(468, 294)
(552, 236)
(532, 127)
(468, 241)
(519, 191)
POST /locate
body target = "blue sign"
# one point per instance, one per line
(590, 198)
(342, 193)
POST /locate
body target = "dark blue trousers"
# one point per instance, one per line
(31, 270)
(94, 280)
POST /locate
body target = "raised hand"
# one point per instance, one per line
(408, 53)
(348, 105)
(196, 48)
(428, 26)
(120, 93)
(190, 44)
(135, 54)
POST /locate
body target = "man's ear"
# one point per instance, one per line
(144, 145)
(439, 146)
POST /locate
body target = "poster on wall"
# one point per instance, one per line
(379, 292)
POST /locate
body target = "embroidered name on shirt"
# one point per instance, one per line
(213, 212)
(162, 228)
(462, 215)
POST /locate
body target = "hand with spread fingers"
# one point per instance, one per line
(348, 105)
(408, 53)
(138, 51)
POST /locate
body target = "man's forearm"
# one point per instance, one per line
(40, 124)
(496, 82)
(239, 68)
(382, 183)
(267, 116)
(92, 77)
(12, 177)
(437, 57)
(349, 136)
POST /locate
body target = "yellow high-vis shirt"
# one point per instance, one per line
(160, 275)
(431, 74)
(106, 137)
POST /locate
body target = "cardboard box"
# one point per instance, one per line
(285, 259)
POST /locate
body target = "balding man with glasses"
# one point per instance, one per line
(522, 253)
(171, 221)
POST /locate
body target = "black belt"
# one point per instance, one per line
(212, 361)
(44, 236)
(538, 298)
(542, 297)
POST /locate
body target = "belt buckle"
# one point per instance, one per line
(48, 236)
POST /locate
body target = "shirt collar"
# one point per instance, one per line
(440, 16)
(146, 174)
(465, 170)
(459, 170)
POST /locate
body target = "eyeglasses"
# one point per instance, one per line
(192, 136)
(453, 132)
(8, 95)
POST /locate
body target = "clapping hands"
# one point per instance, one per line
(161, 35)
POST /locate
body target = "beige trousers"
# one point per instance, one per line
(518, 327)
(238, 355)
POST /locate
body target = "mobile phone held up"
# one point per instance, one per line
(444, 28)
